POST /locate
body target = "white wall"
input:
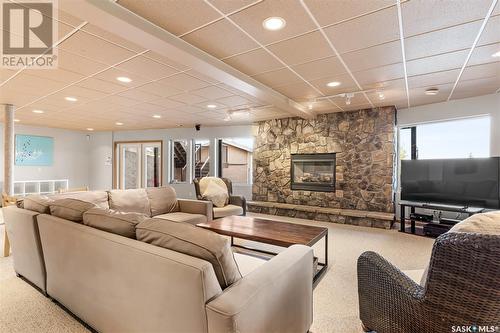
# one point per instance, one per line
(460, 108)
(71, 150)
(101, 145)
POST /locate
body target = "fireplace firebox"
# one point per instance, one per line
(313, 172)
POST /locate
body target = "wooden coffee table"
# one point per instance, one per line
(270, 232)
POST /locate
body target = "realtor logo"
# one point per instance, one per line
(28, 34)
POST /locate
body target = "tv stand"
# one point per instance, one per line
(433, 206)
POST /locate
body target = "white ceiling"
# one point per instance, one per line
(377, 46)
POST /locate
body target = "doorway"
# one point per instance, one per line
(138, 164)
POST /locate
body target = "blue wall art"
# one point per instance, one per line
(32, 150)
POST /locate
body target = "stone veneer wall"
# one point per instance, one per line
(364, 143)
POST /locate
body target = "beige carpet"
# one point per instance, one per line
(23, 309)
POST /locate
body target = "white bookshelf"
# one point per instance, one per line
(26, 187)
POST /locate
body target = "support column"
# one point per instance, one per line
(8, 143)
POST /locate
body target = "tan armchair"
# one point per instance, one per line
(236, 206)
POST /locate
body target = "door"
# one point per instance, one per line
(138, 165)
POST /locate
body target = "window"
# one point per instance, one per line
(463, 138)
(236, 159)
(180, 150)
(138, 164)
(201, 160)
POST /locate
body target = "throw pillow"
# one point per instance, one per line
(120, 223)
(70, 209)
(37, 203)
(216, 193)
(484, 223)
(197, 242)
(162, 200)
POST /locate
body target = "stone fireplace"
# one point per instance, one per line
(313, 172)
(358, 181)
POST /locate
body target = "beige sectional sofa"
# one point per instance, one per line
(120, 284)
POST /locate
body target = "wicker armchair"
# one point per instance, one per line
(235, 201)
(462, 288)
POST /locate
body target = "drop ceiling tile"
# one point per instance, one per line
(186, 109)
(119, 100)
(138, 95)
(112, 74)
(55, 74)
(380, 55)
(220, 108)
(330, 66)
(441, 41)
(212, 92)
(377, 28)
(188, 98)
(483, 54)
(298, 91)
(418, 96)
(278, 77)
(302, 49)
(490, 33)
(392, 92)
(148, 108)
(177, 17)
(95, 48)
(184, 82)
(251, 19)
(229, 6)
(16, 98)
(159, 89)
(380, 74)
(254, 62)
(100, 85)
(68, 19)
(478, 87)
(346, 84)
(165, 60)
(485, 71)
(420, 16)
(166, 103)
(147, 68)
(220, 39)
(72, 62)
(6, 74)
(110, 37)
(436, 63)
(323, 106)
(81, 93)
(34, 85)
(234, 101)
(328, 12)
(433, 79)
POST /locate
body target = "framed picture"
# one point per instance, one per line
(32, 150)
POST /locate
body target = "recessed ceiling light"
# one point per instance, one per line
(16, 120)
(157, 116)
(118, 124)
(90, 129)
(70, 99)
(274, 23)
(381, 95)
(333, 84)
(124, 79)
(432, 91)
(496, 54)
(211, 106)
(38, 111)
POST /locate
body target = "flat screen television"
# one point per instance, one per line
(471, 182)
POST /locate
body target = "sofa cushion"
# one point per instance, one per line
(214, 189)
(484, 223)
(228, 210)
(37, 203)
(162, 200)
(100, 198)
(183, 217)
(197, 242)
(134, 200)
(120, 223)
(70, 209)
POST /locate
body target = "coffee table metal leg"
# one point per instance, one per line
(324, 266)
